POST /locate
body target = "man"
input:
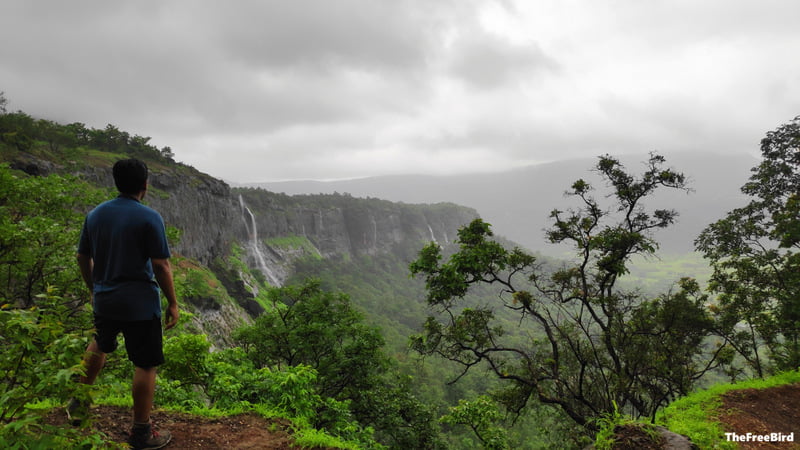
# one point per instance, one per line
(123, 257)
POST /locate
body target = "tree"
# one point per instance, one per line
(3, 102)
(321, 329)
(168, 154)
(754, 254)
(483, 418)
(57, 136)
(17, 129)
(40, 360)
(590, 344)
(40, 219)
(43, 306)
(310, 326)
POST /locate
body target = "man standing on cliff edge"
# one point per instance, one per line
(123, 257)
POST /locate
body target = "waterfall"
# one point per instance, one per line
(253, 246)
(433, 238)
(374, 232)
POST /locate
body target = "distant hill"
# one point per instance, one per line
(518, 202)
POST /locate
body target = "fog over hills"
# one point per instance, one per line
(518, 202)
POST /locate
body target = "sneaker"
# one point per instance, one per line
(145, 437)
(77, 411)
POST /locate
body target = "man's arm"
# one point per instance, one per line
(86, 264)
(163, 272)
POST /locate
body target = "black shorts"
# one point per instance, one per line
(143, 339)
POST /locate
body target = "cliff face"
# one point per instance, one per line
(342, 226)
(202, 208)
(212, 217)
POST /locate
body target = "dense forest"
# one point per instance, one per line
(473, 343)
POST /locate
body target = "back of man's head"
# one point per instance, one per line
(130, 176)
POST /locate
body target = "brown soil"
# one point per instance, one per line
(763, 411)
(245, 431)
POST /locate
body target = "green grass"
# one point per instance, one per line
(295, 243)
(696, 415)
(195, 280)
(313, 438)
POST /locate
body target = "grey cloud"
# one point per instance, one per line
(260, 83)
(486, 60)
(259, 66)
(322, 34)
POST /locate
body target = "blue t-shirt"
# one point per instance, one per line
(121, 236)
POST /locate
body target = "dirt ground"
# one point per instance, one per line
(763, 411)
(247, 431)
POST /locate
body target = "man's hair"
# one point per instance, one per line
(130, 175)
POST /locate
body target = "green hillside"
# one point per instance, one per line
(380, 337)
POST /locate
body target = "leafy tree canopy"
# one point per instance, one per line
(40, 219)
(320, 329)
(754, 253)
(591, 345)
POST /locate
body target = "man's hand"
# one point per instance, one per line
(171, 316)
(86, 265)
(163, 273)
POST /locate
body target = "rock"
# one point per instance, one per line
(636, 437)
(675, 441)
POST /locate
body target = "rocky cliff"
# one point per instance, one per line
(211, 217)
(341, 226)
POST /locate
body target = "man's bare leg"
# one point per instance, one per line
(144, 387)
(142, 433)
(94, 360)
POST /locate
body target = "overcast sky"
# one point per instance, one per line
(329, 89)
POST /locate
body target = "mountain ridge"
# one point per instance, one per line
(518, 202)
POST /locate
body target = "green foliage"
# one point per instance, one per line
(40, 359)
(295, 243)
(313, 438)
(194, 378)
(609, 425)
(310, 326)
(378, 285)
(173, 235)
(754, 253)
(604, 440)
(17, 130)
(591, 344)
(41, 334)
(40, 220)
(24, 133)
(483, 418)
(198, 287)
